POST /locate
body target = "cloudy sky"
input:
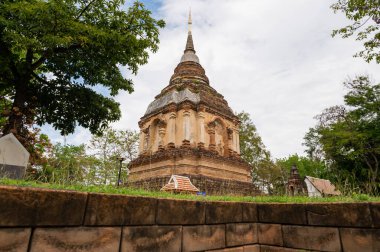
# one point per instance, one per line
(274, 59)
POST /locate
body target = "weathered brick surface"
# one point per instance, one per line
(362, 240)
(236, 249)
(241, 234)
(117, 210)
(282, 213)
(14, 239)
(375, 210)
(315, 238)
(40, 207)
(339, 214)
(251, 248)
(223, 212)
(203, 237)
(180, 212)
(270, 234)
(266, 248)
(249, 212)
(76, 239)
(151, 238)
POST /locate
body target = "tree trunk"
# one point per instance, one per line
(15, 120)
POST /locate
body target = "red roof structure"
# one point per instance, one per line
(180, 184)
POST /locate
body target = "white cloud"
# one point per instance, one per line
(274, 59)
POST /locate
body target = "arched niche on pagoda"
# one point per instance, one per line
(218, 133)
(157, 132)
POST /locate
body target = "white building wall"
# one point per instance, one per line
(311, 190)
(12, 152)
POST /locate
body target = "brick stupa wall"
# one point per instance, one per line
(48, 220)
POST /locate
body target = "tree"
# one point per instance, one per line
(305, 165)
(54, 52)
(108, 147)
(5, 106)
(66, 164)
(252, 149)
(365, 17)
(350, 136)
(265, 173)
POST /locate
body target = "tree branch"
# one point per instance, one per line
(48, 52)
(29, 56)
(84, 9)
(39, 78)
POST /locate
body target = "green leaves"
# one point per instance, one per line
(365, 15)
(349, 136)
(57, 51)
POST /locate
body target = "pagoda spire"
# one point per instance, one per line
(189, 22)
(189, 42)
(189, 53)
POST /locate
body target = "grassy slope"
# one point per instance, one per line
(138, 192)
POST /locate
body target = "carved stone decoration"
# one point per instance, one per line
(172, 130)
(161, 133)
(211, 132)
(201, 120)
(230, 135)
(186, 129)
(146, 138)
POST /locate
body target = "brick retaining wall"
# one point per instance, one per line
(48, 220)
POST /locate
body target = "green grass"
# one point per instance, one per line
(139, 192)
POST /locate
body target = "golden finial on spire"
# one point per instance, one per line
(190, 22)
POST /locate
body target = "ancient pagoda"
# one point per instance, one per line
(190, 130)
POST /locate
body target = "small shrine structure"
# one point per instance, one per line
(180, 184)
(296, 185)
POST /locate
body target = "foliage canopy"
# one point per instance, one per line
(349, 136)
(55, 53)
(365, 17)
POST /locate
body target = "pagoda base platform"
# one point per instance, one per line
(208, 171)
(209, 185)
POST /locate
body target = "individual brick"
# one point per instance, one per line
(223, 212)
(314, 238)
(180, 212)
(375, 210)
(266, 248)
(151, 238)
(25, 206)
(282, 213)
(252, 248)
(362, 240)
(238, 234)
(339, 214)
(236, 249)
(76, 239)
(203, 237)
(117, 210)
(270, 234)
(14, 239)
(249, 212)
